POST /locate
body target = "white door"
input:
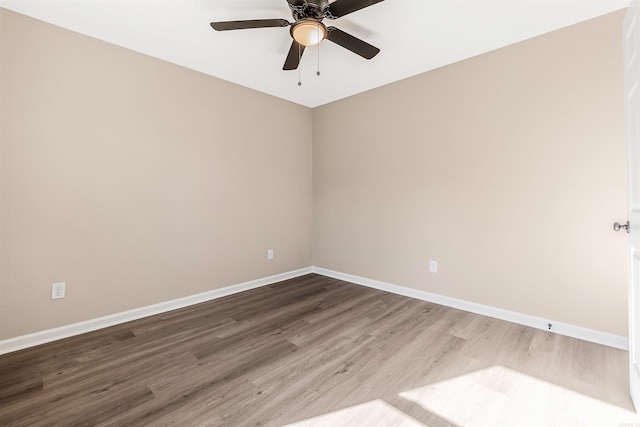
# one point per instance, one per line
(632, 124)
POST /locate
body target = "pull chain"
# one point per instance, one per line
(318, 72)
(299, 57)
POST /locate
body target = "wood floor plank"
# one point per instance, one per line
(314, 350)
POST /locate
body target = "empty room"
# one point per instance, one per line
(319, 213)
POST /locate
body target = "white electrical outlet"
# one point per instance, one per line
(270, 254)
(433, 266)
(57, 290)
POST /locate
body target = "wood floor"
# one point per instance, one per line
(316, 351)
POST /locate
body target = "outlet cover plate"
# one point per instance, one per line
(57, 290)
(433, 266)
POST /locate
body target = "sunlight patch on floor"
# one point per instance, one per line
(499, 396)
(370, 414)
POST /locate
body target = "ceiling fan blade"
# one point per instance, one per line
(344, 7)
(352, 43)
(296, 3)
(293, 58)
(253, 23)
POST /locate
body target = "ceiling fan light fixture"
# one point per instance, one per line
(308, 32)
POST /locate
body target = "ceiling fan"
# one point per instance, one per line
(308, 29)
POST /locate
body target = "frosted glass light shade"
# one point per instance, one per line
(308, 32)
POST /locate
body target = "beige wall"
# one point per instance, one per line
(136, 181)
(507, 168)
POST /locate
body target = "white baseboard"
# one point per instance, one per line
(42, 337)
(49, 335)
(561, 328)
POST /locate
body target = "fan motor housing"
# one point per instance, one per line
(314, 9)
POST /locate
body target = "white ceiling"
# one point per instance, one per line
(414, 36)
